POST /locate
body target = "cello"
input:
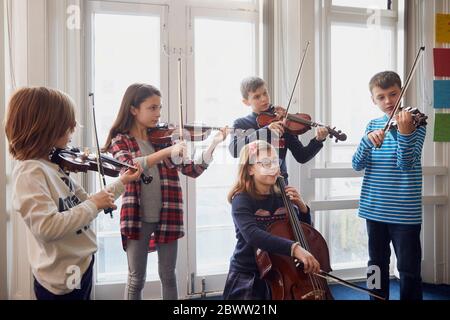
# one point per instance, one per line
(286, 280)
(284, 275)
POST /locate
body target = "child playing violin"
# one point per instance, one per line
(255, 204)
(152, 215)
(56, 210)
(255, 95)
(391, 196)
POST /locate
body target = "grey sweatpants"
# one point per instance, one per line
(137, 252)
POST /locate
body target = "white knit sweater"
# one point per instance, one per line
(58, 216)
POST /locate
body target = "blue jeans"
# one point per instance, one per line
(84, 293)
(406, 242)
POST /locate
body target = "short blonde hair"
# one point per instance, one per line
(245, 182)
(37, 117)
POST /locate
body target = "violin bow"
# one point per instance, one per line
(180, 98)
(101, 172)
(298, 76)
(405, 88)
(325, 275)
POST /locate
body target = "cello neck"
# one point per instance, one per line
(295, 223)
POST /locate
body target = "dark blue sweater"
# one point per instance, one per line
(249, 131)
(251, 218)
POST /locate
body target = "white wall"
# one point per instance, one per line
(3, 213)
(435, 227)
(46, 53)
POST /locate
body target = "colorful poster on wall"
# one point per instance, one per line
(441, 94)
(441, 62)
(442, 127)
(442, 27)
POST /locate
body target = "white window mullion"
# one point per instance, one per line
(215, 69)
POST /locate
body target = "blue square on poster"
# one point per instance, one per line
(441, 94)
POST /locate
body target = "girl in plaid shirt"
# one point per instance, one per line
(151, 217)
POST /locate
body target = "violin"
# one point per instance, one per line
(300, 123)
(296, 124)
(285, 275)
(419, 118)
(73, 160)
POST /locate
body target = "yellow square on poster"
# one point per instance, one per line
(442, 27)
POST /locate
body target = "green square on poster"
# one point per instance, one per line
(442, 127)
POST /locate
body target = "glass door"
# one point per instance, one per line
(124, 47)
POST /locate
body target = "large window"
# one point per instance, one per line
(125, 48)
(218, 45)
(225, 50)
(362, 38)
(217, 90)
(135, 59)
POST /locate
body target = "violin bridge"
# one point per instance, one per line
(316, 295)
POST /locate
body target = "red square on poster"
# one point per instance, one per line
(442, 62)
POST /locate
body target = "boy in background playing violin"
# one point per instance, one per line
(391, 196)
(256, 95)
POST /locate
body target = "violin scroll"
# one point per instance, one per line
(338, 134)
(419, 118)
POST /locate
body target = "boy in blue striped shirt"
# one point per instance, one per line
(391, 195)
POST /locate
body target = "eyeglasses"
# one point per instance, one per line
(267, 163)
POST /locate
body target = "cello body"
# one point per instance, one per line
(284, 277)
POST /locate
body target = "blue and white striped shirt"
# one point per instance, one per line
(392, 185)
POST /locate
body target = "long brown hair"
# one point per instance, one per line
(37, 117)
(135, 95)
(245, 182)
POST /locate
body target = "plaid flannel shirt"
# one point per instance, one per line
(125, 148)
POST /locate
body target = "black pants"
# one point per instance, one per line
(406, 242)
(84, 293)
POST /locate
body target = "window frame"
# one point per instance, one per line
(114, 289)
(331, 14)
(200, 284)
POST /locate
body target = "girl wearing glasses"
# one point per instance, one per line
(256, 203)
(151, 217)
